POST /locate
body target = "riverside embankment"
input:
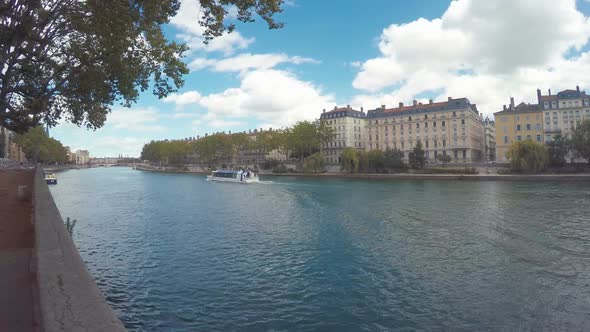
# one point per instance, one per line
(46, 286)
(397, 176)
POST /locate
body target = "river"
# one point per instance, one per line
(173, 252)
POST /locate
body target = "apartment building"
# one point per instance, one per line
(349, 128)
(563, 112)
(489, 127)
(517, 123)
(453, 127)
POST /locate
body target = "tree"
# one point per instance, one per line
(314, 163)
(376, 161)
(558, 150)
(2, 143)
(444, 158)
(528, 157)
(393, 160)
(581, 140)
(349, 160)
(74, 59)
(305, 138)
(417, 157)
(38, 147)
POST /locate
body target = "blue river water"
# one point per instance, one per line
(173, 252)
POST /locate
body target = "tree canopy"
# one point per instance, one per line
(38, 147)
(581, 140)
(74, 59)
(528, 157)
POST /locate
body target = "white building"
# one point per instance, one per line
(349, 127)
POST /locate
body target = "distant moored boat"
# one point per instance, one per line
(50, 178)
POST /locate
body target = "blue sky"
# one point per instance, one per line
(362, 53)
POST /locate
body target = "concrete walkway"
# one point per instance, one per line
(16, 246)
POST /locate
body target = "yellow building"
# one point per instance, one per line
(517, 123)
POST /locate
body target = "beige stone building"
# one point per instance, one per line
(563, 112)
(453, 127)
(349, 127)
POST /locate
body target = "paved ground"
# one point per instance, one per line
(16, 243)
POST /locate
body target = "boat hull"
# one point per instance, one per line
(219, 179)
(51, 181)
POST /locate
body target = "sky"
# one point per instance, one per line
(362, 53)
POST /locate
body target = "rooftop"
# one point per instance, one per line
(416, 107)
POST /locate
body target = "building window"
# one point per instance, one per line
(538, 138)
(434, 124)
(506, 139)
(518, 138)
(454, 113)
(443, 123)
(444, 143)
(517, 127)
(462, 121)
(528, 137)
(528, 126)
(538, 126)
(417, 125)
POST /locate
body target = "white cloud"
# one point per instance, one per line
(135, 119)
(484, 50)
(183, 99)
(248, 61)
(187, 20)
(274, 97)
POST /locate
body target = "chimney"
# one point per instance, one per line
(229, 132)
(401, 105)
(362, 110)
(348, 106)
(335, 108)
(550, 92)
(415, 102)
(430, 101)
(539, 97)
(504, 107)
(450, 98)
(578, 88)
(324, 111)
(511, 102)
(383, 107)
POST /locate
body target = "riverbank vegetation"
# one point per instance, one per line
(40, 148)
(532, 157)
(298, 142)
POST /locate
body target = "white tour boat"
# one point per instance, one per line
(233, 176)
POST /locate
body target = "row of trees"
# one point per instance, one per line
(531, 157)
(377, 161)
(39, 147)
(300, 141)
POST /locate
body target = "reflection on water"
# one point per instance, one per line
(174, 252)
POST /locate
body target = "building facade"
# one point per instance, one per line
(489, 127)
(517, 123)
(80, 157)
(563, 112)
(453, 127)
(349, 127)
